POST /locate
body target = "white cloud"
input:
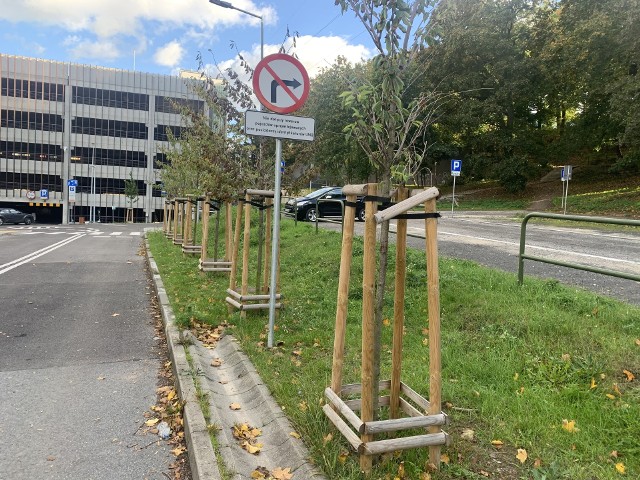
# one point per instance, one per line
(97, 50)
(169, 55)
(107, 18)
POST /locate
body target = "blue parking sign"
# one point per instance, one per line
(44, 193)
(456, 167)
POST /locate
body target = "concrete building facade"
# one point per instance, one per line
(71, 135)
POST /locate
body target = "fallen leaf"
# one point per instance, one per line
(256, 474)
(327, 438)
(467, 434)
(425, 476)
(294, 434)
(593, 384)
(609, 396)
(252, 448)
(630, 376)
(614, 454)
(386, 322)
(235, 406)
(425, 341)
(152, 422)
(570, 426)
(303, 406)
(216, 362)
(444, 458)
(178, 451)
(497, 443)
(616, 389)
(115, 315)
(50, 458)
(522, 455)
(282, 474)
(516, 376)
(620, 468)
(171, 395)
(537, 463)
(101, 378)
(342, 458)
(638, 342)
(401, 471)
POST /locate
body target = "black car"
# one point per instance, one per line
(11, 215)
(328, 201)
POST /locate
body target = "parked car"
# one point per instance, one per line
(307, 205)
(11, 215)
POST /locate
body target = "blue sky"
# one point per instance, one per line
(166, 35)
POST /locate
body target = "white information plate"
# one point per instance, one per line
(267, 124)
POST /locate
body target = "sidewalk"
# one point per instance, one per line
(236, 397)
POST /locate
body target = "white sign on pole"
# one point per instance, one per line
(72, 193)
(268, 124)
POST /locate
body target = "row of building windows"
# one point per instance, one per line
(103, 156)
(160, 133)
(110, 98)
(31, 151)
(109, 128)
(53, 183)
(80, 155)
(15, 87)
(46, 122)
(175, 105)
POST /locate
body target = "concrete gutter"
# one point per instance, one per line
(202, 458)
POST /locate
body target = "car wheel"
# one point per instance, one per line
(311, 215)
(360, 214)
(28, 221)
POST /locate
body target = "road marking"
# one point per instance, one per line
(517, 245)
(135, 233)
(38, 253)
(115, 234)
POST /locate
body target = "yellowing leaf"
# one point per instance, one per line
(257, 475)
(630, 376)
(612, 397)
(342, 458)
(620, 468)
(282, 474)
(522, 455)
(516, 376)
(303, 406)
(216, 362)
(497, 443)
(152, 422)
(171, 395)
(294, 434)
(115, 315)
(444, 458)
(178, 451)
(569, 426)
(638, 342)
(386, 322)
(425, 341)
(425, 476)
(467, 434)
(235, 406)
(252, 448)
(616, 389)
(593, 384)
(327, 438)
(401, 471)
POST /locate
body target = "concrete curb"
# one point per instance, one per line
(202, 458)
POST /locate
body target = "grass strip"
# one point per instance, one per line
(544, 368)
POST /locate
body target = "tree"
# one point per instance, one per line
(388, 124)
(131, 192)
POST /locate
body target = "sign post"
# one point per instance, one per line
(281, 83)
(565, 176)
(456, 168)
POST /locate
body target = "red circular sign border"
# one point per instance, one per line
(305, 82)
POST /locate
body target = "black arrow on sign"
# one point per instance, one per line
(289, 83)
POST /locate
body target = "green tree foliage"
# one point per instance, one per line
(131, 189)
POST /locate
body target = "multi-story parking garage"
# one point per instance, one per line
(71, 135)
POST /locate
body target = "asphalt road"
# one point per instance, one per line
(78, 359)
(493, 240)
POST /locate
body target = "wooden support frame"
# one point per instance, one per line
(408, 410)
(168, 219)
(215, 263)
(178, 220)
(189, 244)
(251, 298)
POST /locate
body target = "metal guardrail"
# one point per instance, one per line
(576, 218)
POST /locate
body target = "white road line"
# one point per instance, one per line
(517, 246)
(135, 233)
(38, 253)
(115, 234)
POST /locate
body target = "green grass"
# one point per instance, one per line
(621, 201)
(517, 361)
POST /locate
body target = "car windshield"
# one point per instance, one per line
(320, 192)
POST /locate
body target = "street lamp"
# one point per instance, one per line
(228, 5)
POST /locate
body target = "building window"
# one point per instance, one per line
(110, 98)
(31, 121)
(160, 133)
(11, 87)
(173, 104)
(109, 128)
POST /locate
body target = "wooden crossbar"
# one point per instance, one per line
(406, 205)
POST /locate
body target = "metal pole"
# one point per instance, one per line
(453, 194)
(92, 208)
(566, 196)
(275, 245)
